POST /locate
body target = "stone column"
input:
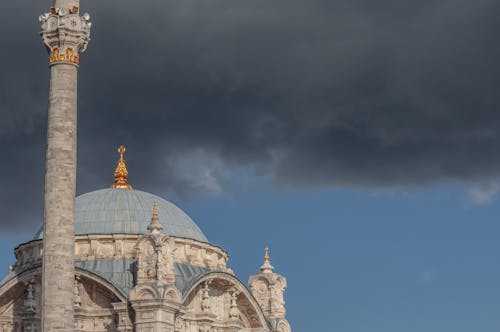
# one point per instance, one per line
(65, 34)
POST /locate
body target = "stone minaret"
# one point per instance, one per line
(65, 34)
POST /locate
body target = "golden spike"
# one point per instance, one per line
(154, 226)
(155, 210)
(267, 267)
(121, 173)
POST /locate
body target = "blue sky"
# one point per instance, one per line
(413, 260)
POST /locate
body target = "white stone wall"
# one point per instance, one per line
(117, 246)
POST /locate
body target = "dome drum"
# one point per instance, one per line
(122, 247)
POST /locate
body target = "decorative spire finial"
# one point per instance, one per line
(155, 210)
(154, 226)
(267, 267)
(121, 172)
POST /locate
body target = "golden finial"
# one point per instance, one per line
(155, 210)
(267, 267)
(154, 226)
(121, 172)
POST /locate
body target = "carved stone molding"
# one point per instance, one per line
(268, 289)
(122, 315)
(123, 246)
(220, 301)
(66, 34)
(155, 260)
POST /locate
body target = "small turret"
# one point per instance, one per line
(266, 267)
(268, 288)
(154, 226)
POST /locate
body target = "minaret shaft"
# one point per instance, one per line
(60, 189)
(65, 34)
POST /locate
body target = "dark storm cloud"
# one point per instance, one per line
(309, 92)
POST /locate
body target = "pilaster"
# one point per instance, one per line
(123, 323)
(154, 315)
(155, 299)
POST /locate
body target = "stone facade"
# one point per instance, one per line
(214, 300)
(124, 247)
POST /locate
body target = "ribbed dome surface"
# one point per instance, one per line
(110, 211)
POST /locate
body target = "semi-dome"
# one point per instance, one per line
(129, 211)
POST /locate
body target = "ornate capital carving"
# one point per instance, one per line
(65, 34)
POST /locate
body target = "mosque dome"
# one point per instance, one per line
(128, 211)
(123, 210)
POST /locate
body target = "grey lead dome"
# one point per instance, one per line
(129, 211)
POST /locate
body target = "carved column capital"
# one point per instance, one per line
(66, 34)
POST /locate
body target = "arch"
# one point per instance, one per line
(99, 301)
(24, 276)
(146, 238)
(173, 294)
(143, 292)
(37, 272)
(231, 280)
(13, 292)
(103, 282)
(283, 326)
(146, 294)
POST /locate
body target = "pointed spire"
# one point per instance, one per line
(267, 267)
(121, 172)
(155, 210)
(154, 226)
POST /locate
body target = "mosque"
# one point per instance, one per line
(120, 259)
(139, 259)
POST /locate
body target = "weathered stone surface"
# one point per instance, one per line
(214, 300)
(65, 34)
(66, 3)
(60, 188)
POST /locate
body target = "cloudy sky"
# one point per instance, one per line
(361, 139)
